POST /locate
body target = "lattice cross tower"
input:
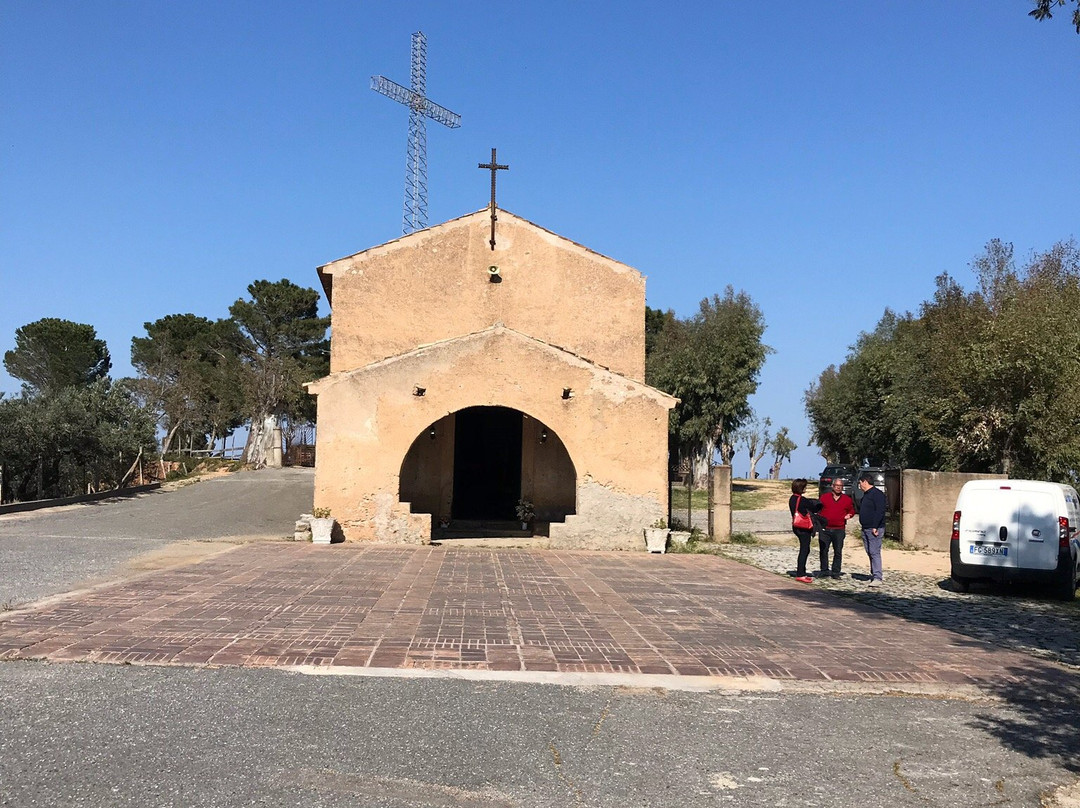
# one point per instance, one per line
(420, 109)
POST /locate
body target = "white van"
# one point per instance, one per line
(1017, 530)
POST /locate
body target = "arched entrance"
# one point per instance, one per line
(470, 470)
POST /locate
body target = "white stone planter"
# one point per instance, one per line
(680, 537)
(656, 539)
(322, 530)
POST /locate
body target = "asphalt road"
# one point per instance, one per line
(59, 549)
(100, 735)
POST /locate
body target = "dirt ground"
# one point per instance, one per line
(179, 554)
(778, 491)
(924, 562)
(172, 485)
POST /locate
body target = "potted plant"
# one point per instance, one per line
(656, 536)
(525, 512)
(322, 526)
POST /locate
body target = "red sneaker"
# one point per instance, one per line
(804, 579)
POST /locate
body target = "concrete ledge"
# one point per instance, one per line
(37, 504)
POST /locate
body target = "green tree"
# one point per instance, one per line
(852, 408)
(977, 382)
(754, 436)
(782, 446)
(190, 376)
(1044, 10)
(1023, 366)
(655, 322)
(284, 345)
(79, 439)
(51, 354)
(711, 362)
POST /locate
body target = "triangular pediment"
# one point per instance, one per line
(425, 238)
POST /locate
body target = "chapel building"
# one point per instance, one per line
(466, 380)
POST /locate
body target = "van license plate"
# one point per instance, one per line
(978, 549)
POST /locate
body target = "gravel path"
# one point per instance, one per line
(761, 522)
(1010, 618)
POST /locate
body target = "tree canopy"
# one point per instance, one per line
(978, 381)
(283, 345)
(190, 374)
(52, 354)
(782, 446)
(1044, 10)
(73, 429)
(711, 362)
(76, 439)
(756, 437)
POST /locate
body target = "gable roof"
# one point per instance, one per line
(327, 270)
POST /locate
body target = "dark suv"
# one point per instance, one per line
(877, 477)
(849, 474)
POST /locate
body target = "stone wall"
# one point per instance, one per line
(929, 500)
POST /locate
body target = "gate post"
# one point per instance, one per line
(720, 503)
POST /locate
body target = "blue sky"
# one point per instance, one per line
(829, 158)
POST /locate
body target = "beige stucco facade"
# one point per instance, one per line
(427, 350)
(435, 284)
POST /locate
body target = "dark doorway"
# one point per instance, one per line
(487, 463)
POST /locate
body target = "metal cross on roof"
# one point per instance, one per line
(493, 167)
(420, 107)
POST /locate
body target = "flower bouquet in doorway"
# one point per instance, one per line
(525, 512)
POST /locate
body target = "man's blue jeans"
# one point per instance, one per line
(872, 545)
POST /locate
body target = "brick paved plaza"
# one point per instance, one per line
(276, 604)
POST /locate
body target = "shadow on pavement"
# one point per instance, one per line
(1047, 628)
(1043, 717)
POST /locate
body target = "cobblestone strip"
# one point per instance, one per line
(1042, 627)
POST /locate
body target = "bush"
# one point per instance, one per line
(698, 547)
(743, 538)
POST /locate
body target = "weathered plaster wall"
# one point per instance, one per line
(608, 518)
(929, 500)
(614, 430)
(435, 285)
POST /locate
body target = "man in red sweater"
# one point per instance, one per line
(836, 509)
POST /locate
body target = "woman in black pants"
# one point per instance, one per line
(805, 507)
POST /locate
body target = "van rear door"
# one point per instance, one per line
(988, 525)
(1037, 528)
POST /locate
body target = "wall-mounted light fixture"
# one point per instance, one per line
(567, 393)
(419, 391)
(493, 274)
(543, 436)
(431, 433)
